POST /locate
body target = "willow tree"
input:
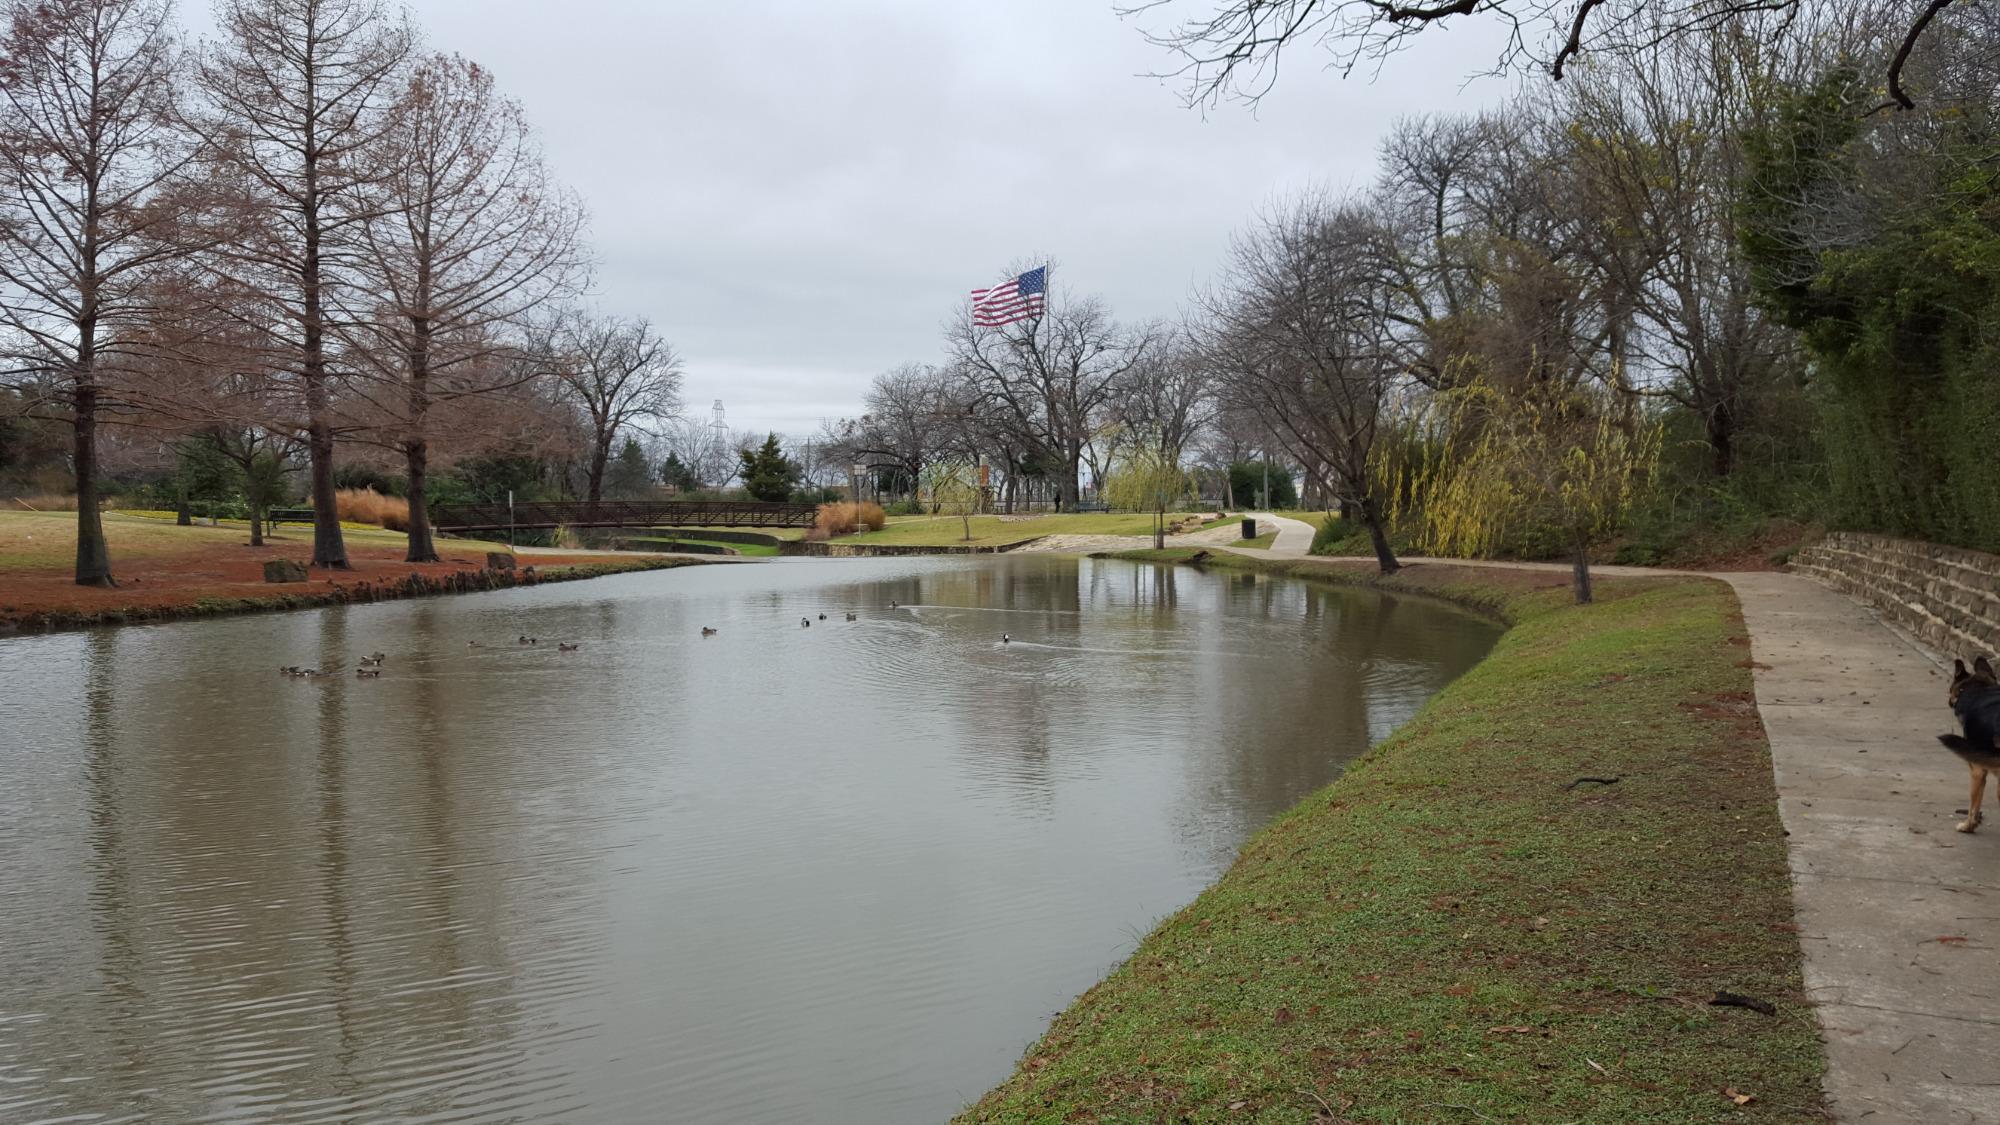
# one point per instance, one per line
(952, 487)
(92, 205)
(1497, 460)
(1146, 479)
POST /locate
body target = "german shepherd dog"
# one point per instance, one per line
(1975, 699)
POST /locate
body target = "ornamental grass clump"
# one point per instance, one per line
(365, 505)
(845, 518)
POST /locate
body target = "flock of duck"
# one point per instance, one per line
(371, 665)
(806, 623)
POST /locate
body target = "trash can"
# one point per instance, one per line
(1249, 529)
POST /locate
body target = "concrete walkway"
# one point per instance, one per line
(1899, 913)
(1294, 541)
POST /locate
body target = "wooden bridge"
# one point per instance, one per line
(541, 515)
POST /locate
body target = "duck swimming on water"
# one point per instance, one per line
(707, 632)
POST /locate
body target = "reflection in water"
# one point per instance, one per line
(842, 873)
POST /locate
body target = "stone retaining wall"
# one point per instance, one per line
(1948, 597)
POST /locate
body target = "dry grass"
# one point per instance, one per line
(844, 517)
(43, 502)
(365, 505)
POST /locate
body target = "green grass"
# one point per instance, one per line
(988, 531)
(1450, 933)
(675, 542)
(1261, 542)
(772, 532)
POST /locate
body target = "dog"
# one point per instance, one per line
(1975, 699)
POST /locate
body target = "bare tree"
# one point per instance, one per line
(615, 373)
(1298, 337)
(1232, 48)
(1046, 381)
(472, 238)
(1653, 150)
(298, 94)
(93, 200)
(1167, 399)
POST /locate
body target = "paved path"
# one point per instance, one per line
(1295, 537)
(1899, 914)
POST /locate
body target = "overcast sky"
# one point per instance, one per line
(799, 193)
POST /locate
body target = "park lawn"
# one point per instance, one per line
(1458, 929)
(165, 570)
(773, 532)
(1262, 542)
(674, 542)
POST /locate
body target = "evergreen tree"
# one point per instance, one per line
(767, 473)
(629, 476)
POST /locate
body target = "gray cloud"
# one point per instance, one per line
(799, 193)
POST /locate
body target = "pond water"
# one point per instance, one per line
(842, 873)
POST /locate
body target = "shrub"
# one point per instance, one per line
(54, 502)
(365, 505)
(845, 517)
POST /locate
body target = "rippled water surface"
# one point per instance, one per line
(839, 873)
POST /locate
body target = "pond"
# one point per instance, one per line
(843, 871)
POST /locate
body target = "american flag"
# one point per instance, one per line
(1016, 299)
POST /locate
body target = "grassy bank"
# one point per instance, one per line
(1459, 929)
(994, 531)
(166, 571)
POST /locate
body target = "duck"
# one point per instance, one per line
(851, 617)
(822, 617)
(805, 622)
(893, 605)
(472, 644)
(562, 646)
(289, 670)
(707, 632)
(1006, 638)
(377, 657)
(527, 640)
(367, 673)
(374, 661)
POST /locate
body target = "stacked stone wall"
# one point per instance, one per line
(1948, 597)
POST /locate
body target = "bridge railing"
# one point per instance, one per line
(540, 514)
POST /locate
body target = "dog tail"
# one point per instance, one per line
(1984, 756)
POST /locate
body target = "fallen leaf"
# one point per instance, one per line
(1737, 1096)
(1951, 939)
(1598, 1067)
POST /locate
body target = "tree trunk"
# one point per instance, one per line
(417, 461)
(256, 525)
(1160, 530)
(1385, 555)
(1722, 439)
(1066, 487)
(329, 548)
(1580, 570)
(416, 450)
(183, 515)
(600, 455)
(93, 555)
